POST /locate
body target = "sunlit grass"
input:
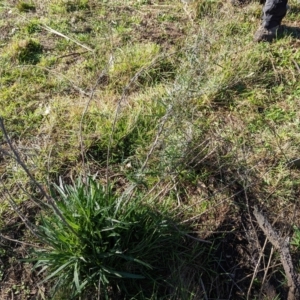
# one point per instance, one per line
(189, 121)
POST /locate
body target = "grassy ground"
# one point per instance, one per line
(174, 105)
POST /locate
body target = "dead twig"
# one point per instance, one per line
(266, 271)
(282, 245)
(72, 54)
(66, 37)
(59, 76)
(296, 65)
(18, 159)
(91, 96)
(122, 99)
(256, 269)
(17, 241)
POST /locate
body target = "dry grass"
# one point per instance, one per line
(172, 98)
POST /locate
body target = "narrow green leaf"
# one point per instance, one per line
(76, 279)
(122, 274)
(130, 258)
(56, 272)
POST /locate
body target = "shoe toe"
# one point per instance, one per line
(266, 35)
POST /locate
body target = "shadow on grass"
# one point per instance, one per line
(129, 247)
(290, 31)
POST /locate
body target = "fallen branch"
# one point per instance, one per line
(66, 37)
(282, 245)
(50, 201)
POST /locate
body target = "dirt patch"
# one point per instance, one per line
(164, 25)
(155, 27)
(18, 280)
(6, 32)
(47, 40)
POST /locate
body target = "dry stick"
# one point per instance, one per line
(296, 65)
(121, 100)
(160, 130)
(274, 69)
(40, 188)
(176, 190)
(247, 276)
(72, 54)
(206, 145)
(46, 27)
(185, 8)
(31, 227)
(91, 96)
(153, 188)
(18, 242)
(266, 271)
(256, 269)
(61, 76)
(48, 164)
(282, 245)
(284, 241)
(261, 250)
(35, 201)
(58, 75)
(66, 37)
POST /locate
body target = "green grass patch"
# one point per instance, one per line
(114, 246)
(27, 51)
(177, 104)
(23, 6)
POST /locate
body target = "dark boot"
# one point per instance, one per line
(267, 35)
(273, 13)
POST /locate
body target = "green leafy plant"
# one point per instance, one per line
(28, 51)
(25, 6)
(33, 27)
(106, 243)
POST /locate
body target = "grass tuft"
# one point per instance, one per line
(175, 97)
(111, 245)
(23, 6)
(28, 51)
